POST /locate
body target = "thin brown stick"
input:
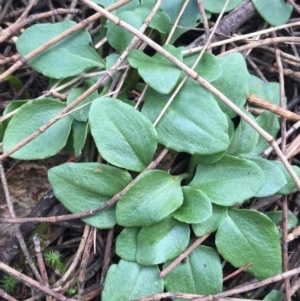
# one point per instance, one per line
(107, 256)
(14, 28)
(255, 100)
(189, 250)
(27, 10)
(113, 200)
(6, 296)
(201, 81)
(17, 227)
(84, 262)
(32, 283)
(75, 261)
(284, 199)
(238, 271)
(40, 260)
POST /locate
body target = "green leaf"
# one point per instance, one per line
(124, 137)
(275, 179)
(216, 6)
(140, 281)
(196, 206)
(248, 236)
(192, 117)
(267, 91)
(201, 274)
(85, 186)
(229, 181)
(234, 82)
(13, 105)
(276, 217)
(126, 243)
(268, 122)
(161, 21)
(79, 133)
(68, 57)
(118, 37)
(128, 6)
(157, 71)
(46, 144)
(162, 241)
(154, 196)
(290, 186)
(209, 66)
(274, 295)
(212, 223)
(244, 139)
(278, 15)
(81, 111)
(189, 19)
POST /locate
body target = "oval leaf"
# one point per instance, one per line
(193, 123)
(85, 186)
(229, 181)
(140, 281)
(244, 139)
(209, 67)
(161, 242)
(248, 236)
(196, 206)
(68, 57)
(118, 37)
(275, 179)
(200, 274)
(211, 224)
(234, 82)
(46, 144)
(278, 15)
(157, 71)
(154, 196)
(81, 111)
(124, 137)
(126, 243)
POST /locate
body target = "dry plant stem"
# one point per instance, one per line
(230, 23)
(183, 7)
(238, 271)
(255, 100)
(18, 232)
(32, 283)
(201, 81)
(269, 150)
(295, 6)
(58, 38)
(204, 20)
(244, 37)
(163, 111)
(107, 255)
(72, 6)
(79, 252)
(113, 200)
(284, 199)
(189, 250)
(255, 44)
(84, 262)
(222, 295)
(6, 296)
(40, 260)
(14, 28)
(101, 82)
(27, 10)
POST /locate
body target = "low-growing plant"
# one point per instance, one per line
(160, 213)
